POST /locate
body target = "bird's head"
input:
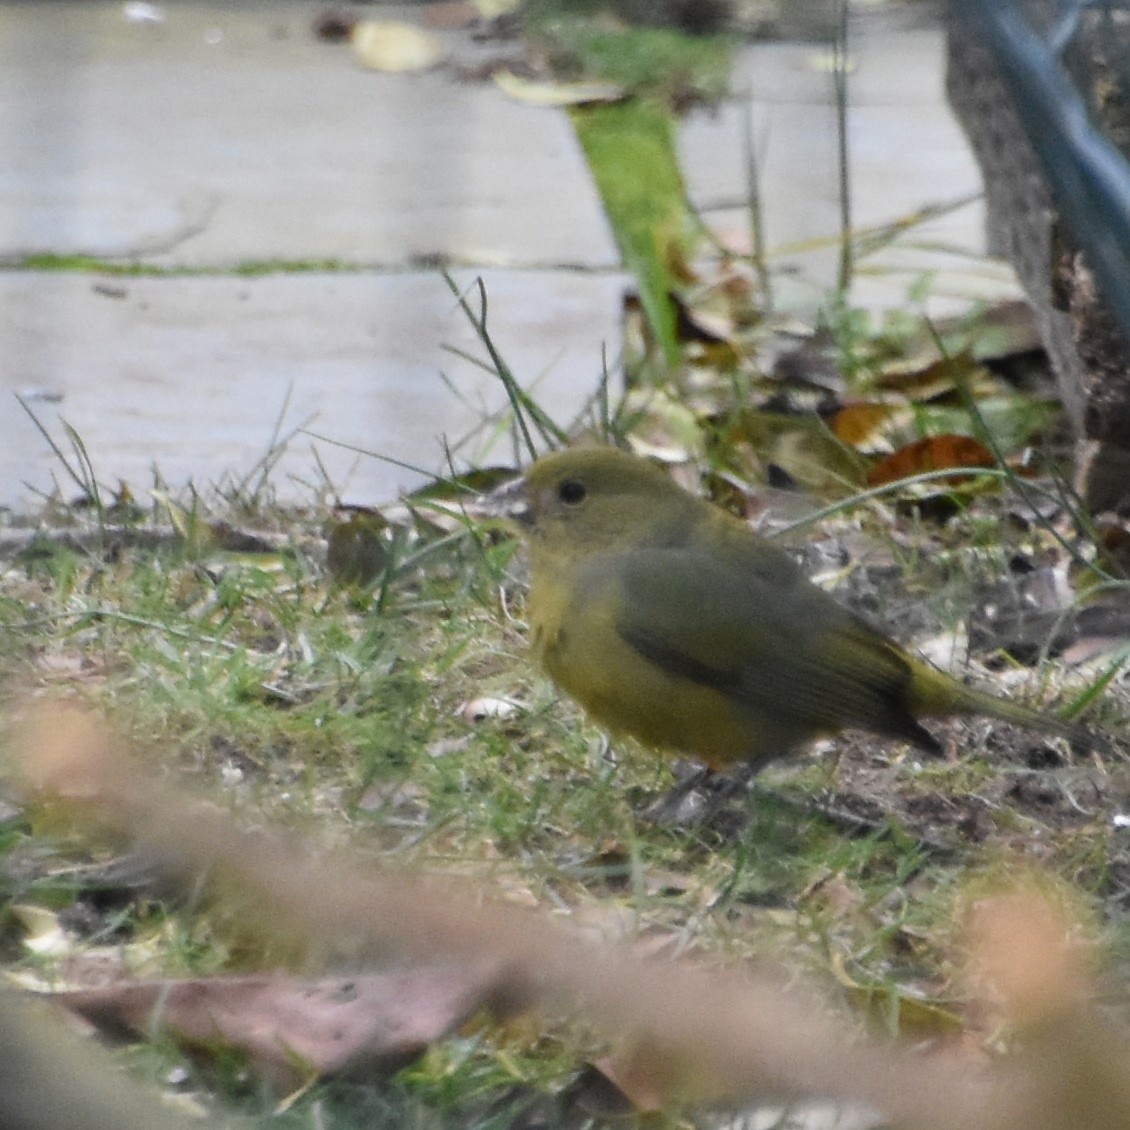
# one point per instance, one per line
(590, 499)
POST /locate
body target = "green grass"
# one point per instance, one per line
(660, 62)
(630, 149)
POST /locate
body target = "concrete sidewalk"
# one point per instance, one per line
(228, 134)
(907, 154)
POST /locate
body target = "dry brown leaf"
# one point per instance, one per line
(801, 446)
(627, 1083)
(596, 1093)
(1008, 328)
(1114, 541)
(291, 1029)
(940, 376)
(934, 453)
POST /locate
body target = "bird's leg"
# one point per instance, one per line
(680, 804)
(700, 794)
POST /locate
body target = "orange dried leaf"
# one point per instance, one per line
(934, 453)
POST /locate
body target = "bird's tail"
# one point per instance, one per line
(938, 693)
(989, 706)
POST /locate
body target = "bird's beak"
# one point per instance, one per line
(509, 502)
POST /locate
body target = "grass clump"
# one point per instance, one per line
(630, 148)
(662, 63)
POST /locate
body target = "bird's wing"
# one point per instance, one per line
(777, 645)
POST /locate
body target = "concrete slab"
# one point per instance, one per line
(907, 153)
(189, 375)
(227, 133)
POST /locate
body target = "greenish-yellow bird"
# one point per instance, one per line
(672, 621)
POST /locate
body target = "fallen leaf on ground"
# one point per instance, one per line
(934, 453)
(387, 45)
(293, 1029)
(556, 93)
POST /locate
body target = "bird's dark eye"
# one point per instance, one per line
(571, 492)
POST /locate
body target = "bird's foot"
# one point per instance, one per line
(698, 797)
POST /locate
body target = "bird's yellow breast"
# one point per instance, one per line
(574, 634)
